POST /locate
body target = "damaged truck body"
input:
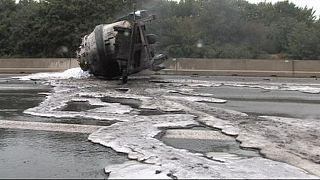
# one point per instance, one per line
(120, 49)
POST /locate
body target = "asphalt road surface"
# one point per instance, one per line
(159, 126)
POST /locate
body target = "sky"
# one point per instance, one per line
(315, 4)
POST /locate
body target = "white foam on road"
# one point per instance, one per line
(135, 135)
(156, 160)
(75, 73)
(304, 88)
(301, 123)
(189, 83)
(222, 156)
(226, 127)
(197, 134)
(197, 99)
(182, 91)
(54, 104)
(134, 170)
(280, 86)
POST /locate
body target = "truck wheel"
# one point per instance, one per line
(124, 79)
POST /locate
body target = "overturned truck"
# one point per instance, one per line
(119, 49)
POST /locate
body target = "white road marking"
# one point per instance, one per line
(40, 126)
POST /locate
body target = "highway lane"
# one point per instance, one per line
(17, 96)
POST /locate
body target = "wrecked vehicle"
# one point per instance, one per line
(120, 49)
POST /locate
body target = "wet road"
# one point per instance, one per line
(267, 103)
(40, 154)
(43, 154)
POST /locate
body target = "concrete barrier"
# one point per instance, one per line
(183, 66)
(33, 65)
(243, 67)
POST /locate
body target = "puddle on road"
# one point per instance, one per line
(155, 112)
(19, 101)
(14, 103)
(79, 106)
(40, 154)
(134, 103)
(16, 96)
(205, 140)
(151, 112)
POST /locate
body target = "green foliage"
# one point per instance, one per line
(304, 42)
(7, 7)
(189, 28)
(51, 28)
(232, 28)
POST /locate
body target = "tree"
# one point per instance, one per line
(67, 21)
(7, 7)
(188, 28)
(304, 42)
